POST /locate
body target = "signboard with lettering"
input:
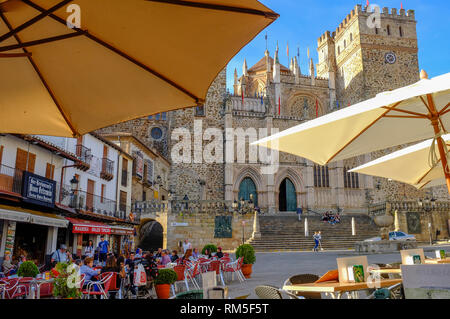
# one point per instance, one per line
(139, 163)
(38, 190)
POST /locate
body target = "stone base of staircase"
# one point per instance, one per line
(284, 232)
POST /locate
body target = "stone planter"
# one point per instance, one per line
(247, 270)
(384, 221)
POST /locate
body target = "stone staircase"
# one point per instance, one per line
(286, 233)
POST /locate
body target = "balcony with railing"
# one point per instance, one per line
(85, 156)
(90, 203)
(10, 180)
(107, 172)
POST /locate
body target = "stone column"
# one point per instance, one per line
(229, 139)
(309, 184)
(340, 191)
(256, 233)
(270, 178)
(353, 227)
(306, 228)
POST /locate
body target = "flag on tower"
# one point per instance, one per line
(287, 50)
(368, 3)
(262, 102)
(242, 91)
(298, 53)
(401, 5)
(308, 53)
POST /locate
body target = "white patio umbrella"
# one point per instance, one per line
(418, 165)
(409, 114)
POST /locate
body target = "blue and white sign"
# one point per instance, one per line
(38, 190)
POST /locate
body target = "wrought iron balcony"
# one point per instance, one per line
(107, 172)
(85, 156)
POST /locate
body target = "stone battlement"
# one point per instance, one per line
(366, 11)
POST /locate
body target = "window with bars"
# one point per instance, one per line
(321, 176)
(351, 180)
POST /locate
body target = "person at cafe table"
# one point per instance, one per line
(61, 255)
(88, 270)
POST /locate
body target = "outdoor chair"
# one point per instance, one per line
(102, 285)
(191, 272)
(303, 279)
(14, 289)
(271, 292)
(181, 278)
(191, 294)
(233, 268)
(216, 266)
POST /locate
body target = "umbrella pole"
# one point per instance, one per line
(440, 142)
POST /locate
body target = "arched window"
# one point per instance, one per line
(351, 37)
(400, 31)
(345, 44)
(246, 188)
(339, 50)
(388, 29)
(287, 197)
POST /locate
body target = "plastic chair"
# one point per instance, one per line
(180, 270)
(191, 272)
(103, 285)
(233, 268)
(14, 289)
(303, 279)
(216, 266)
(392, 292)
(271, 292)
(216, 293)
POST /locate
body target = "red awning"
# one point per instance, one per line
(88, 227)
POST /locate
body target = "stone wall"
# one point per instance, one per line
(200, 230)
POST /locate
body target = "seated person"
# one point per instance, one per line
(158, 253)
(195, 253)
(219, 253)
(138, 253)
(207, 253)
(174, 256)
(165, 258)
(187, 256)
(7, 264)
(88, 270)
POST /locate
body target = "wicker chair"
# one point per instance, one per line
(271, 292)
(304, 279)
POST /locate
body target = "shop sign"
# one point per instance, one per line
(139, 164)
(121, 231)
(38, 190)
(87, 229)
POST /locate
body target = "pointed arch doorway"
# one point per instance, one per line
(246, 188)
(287, 196)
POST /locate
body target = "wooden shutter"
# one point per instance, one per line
(50, 171)
(31, 162)
(21, 159)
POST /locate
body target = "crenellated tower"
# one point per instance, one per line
(371, 51)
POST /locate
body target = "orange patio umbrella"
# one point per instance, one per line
(126, 59)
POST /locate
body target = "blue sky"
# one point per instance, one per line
(301, 22)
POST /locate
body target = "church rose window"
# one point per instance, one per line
(156, 133)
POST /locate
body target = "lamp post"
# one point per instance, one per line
(428, 205)
(243, 207)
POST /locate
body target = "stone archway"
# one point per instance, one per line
(287, 196)
(252, 173)
(295, 177)
(151, 235)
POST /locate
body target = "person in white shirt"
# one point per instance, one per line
(89, 250)
(186, 245)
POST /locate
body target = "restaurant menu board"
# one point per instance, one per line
(10, 235)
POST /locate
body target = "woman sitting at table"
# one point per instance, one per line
(195, 253)
(219, 253)
(207, 253)
(187, 256)
(88, 270)
(165, 258)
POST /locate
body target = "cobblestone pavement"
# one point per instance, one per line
(275, 268)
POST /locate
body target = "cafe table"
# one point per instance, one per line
(337, 289)
(437, 261)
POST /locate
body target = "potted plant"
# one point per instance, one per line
(211, 247)
(246, 251)
(64, 287)
(28, 269)
(165, 278)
